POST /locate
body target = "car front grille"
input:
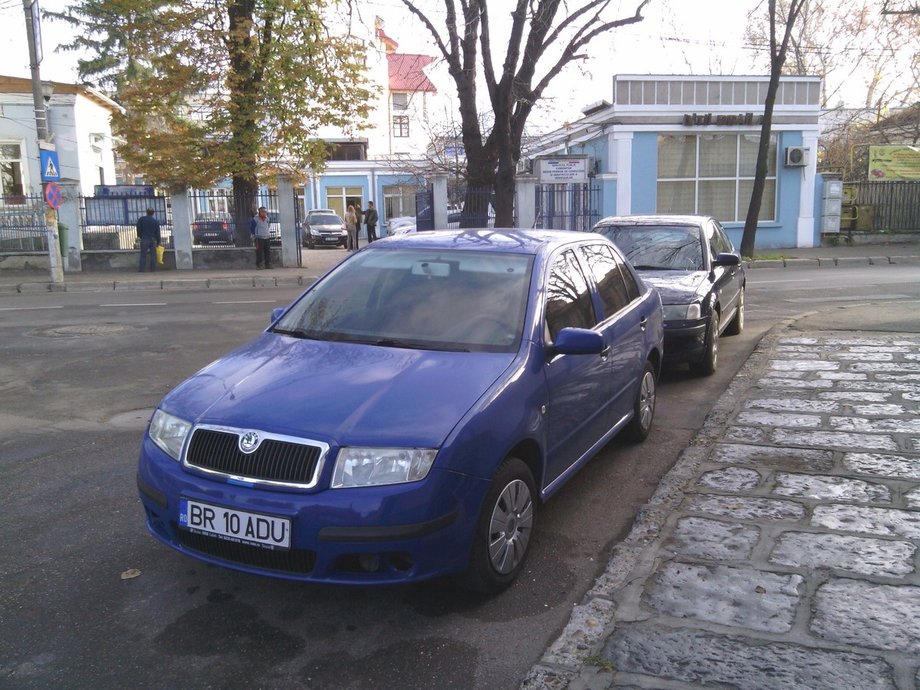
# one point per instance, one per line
(276, 460)
(292, 561)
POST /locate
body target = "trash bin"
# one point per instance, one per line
(62, 238)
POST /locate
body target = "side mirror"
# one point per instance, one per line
(276, 313)
(577, 341)
(727, 259)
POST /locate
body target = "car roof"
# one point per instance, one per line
(514, 240)
(655, 219)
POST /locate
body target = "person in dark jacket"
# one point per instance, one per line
(148, 230)
(370, 220)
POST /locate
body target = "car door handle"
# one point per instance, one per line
(643, 322)
(605, 353)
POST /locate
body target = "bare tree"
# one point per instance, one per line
(778, 50)
(543, 36)
(854, 45)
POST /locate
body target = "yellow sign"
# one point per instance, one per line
(894, 162)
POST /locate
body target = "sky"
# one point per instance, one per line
(675, 38)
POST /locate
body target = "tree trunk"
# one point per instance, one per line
(245, 192)
(760, 172)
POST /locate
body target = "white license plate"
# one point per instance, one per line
(235, 525)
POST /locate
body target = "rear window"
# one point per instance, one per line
(658, 247)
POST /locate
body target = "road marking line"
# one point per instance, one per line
(250, 301)
(27, 308)
(136, 304)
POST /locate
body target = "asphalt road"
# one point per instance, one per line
(88, 599)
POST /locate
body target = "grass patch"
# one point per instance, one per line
(600, 662)
(765, 257)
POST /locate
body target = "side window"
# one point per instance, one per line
(611, 287)
(718, 242)
(568, 298)
(725, 243)
(632, 289)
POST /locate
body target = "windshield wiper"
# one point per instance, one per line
(293, 332)
(649, 267)
(439, 347)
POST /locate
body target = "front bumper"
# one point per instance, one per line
(328, 239)
(368, 535)
(685, 341)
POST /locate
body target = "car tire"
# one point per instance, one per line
(736, 325)
(707, 364)
(643, 407)
(510, 505)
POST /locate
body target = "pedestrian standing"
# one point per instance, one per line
(260, 227)
(370, 220)
(351, 225)
(148, 231)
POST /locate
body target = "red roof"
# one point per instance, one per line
(406, 72)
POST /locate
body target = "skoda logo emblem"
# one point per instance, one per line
(249, 441)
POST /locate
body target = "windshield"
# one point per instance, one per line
(324, 219)
(667, 247)
(423, 299)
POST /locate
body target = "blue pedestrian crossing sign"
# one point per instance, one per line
(51, 170)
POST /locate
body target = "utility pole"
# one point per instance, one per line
(33, 29)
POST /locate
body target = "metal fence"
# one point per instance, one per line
(110, 222)
(892, 206)
(234, 209)
(567, 207)
(22, 223)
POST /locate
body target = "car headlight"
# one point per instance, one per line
(169, 432)
(378, 466)
(680, 312)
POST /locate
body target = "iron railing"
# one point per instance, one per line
(22, 223)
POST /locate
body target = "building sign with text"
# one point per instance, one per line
(705, 119)
(563, 169)
(894, 163)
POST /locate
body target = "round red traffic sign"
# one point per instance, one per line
(53, 194)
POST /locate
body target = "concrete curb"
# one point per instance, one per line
(831, 261)
(133, 285)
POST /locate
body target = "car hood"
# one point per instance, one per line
(677, 287)
(341, 393)
(324, 227)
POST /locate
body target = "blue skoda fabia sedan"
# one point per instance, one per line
(405, 417)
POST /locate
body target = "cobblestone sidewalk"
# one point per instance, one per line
(782, 550)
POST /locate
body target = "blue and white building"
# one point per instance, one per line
(688, 144)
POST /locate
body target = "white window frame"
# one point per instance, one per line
(23, 169)
(768, 207)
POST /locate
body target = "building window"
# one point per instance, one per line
(401, 126)
(400, 101)
(347, 151)
(713, 175)
(398, 200)
(340, 198)
(11, 184)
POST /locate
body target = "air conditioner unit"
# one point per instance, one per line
(796, 156)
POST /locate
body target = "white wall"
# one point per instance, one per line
(72, 118)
